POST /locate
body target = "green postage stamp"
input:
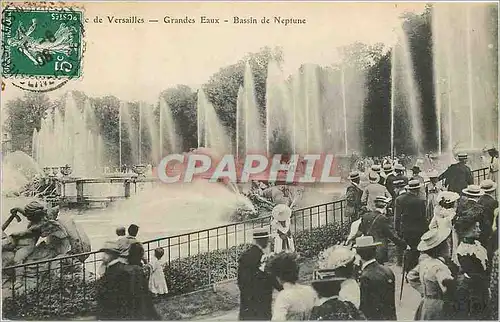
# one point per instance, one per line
(42, 43)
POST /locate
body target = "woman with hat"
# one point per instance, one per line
(493, 152)
(295, 301)
(444, 212)
(329, 306)
(281, 222)
(340, 260)
(472, 282)
(432, 189)
(432, 277)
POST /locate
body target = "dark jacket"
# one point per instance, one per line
(394, 184)
(353, 200)
(410, 220)
(471, 298)
(377, 284)
(486, 223)
(256, 287)
(457, 177)
(123, 294)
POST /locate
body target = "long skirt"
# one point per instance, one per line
(430, 309)
(283, 245)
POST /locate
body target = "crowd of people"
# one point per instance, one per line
(128, 282)
(445, 239)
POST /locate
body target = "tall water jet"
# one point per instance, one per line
(130, 129)
(251, 132)
(344, 106)
(120, 136)
(393, 95)
(314, 138)
(405, 87)
(149, 121)
(211, 132)
(240, 123)
(139, 141)
(468, 82)
(279, 133)
(34, 145)
(167, 129)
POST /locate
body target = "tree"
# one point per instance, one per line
(24, 115)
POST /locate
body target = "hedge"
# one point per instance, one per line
(183, 275)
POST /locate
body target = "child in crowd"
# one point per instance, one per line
(157, 282)
(120, 231)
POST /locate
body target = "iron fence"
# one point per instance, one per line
(65, 278)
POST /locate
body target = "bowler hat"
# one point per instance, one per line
(261, 233)
(376, 168)
(353, 175)
(366, 242)
(281, 212)
(433, 238)
(488, 185)
(473, 191)
(373, 177)
(413, 185)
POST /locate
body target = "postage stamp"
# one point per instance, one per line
(42, 46)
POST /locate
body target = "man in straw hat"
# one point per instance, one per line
(493, 171)
(377, 168)
(353, 197)
(396, 183)
(256, 286)
(410, 220)
(387, 172)
(122, 292)
(377, 282)
(280, 224)
(373, 190)
(458, 175)
(489, 204)
(376, 224)
(416, 176)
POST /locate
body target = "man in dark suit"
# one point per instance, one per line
(410, 221)
(377, 283)
(353, 197)
(256, 286)
(458, 176)
(122, 293)
(376, 224)
(489, 204)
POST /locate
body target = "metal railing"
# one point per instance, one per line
(64, 278)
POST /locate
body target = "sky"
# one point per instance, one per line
(138, 61)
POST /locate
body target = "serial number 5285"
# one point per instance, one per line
(64, 16)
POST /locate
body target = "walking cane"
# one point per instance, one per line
(403, 276)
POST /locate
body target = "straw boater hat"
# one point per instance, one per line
(433, 238)
(376, 167)
(399, 167)
(373, 177)
(335, 257)
(448, 196)
(382, 199)
(259, 233)
(366, 242)
(433, 174)
(413, 185)
(281, 212)
(388, 168)
(488, 185)
(462, 156)
(326, 283)
(473, 191)
(353, 175)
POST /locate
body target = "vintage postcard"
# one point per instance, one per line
(249, 160)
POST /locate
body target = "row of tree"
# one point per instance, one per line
(373, 62)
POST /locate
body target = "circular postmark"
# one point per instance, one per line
(42, 45)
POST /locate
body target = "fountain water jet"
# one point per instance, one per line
(211, 133)
(167, 129)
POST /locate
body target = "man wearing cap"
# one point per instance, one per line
(492, 175)
(387, 173)
(256, 286)
(376, 224)
(353, 197)
(373, 190)
(489, 204)
(410, 220)
(377, 283)
(458, 176)
(122, 292)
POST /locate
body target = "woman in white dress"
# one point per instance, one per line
(280, 224)
(157, 282)
(443, 214)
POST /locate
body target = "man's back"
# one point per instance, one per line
(410, 214)
(377, 284)
(457, 177)
(372, 191)
(395, 184)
